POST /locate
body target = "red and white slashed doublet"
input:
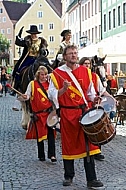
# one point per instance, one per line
(72, 134)
(39, 102)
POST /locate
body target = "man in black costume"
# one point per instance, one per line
(32, 45)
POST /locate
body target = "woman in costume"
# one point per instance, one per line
(41, 107)
(66, 37)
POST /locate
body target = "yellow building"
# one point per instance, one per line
(46, 14)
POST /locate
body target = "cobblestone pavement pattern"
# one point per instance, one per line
(21, 170)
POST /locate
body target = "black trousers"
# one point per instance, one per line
(88, 165)
(51, 145)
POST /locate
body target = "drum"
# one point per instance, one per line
(97, 126)
(108, 104)
(53, 120)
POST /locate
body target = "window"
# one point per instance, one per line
(2, 31)
(83, 13)
(99, 31)
(99, 7)
(96, 35)
(122, 66)
(114, 18)
(89, 34)
(51, 52)
(86, 12)
(96, 6)
(40, 26)
(119, 16)
(114, 68)
(40, 14)
(104, 22)
(51, 38)
(51, 26)
(124, 13)
(109, 20)
(76, 38)
(10, 41)
(8, 30)
(92, 12)
(92, 35)
(1, 10)
(4, 19)
(88, 9)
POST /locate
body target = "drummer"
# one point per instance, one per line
(73, 101)
(41, 107)
(100, 90)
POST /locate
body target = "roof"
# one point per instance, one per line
(15, 10)
(56, 6)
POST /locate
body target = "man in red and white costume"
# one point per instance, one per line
(72, 104)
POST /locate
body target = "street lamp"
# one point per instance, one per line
(83, 41)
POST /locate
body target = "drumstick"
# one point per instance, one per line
(9, 86)
(56, 73)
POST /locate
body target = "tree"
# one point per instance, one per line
(4, 44)
(4, 47)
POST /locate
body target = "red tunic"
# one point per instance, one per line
(95, 81)
(39, 102)
(114, 83)
(72, 134)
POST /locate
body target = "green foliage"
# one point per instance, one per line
(20, 1)
(4, 43)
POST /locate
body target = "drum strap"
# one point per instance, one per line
(77, 84)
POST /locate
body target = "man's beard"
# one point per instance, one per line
(73, 62)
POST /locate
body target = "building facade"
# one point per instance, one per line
(45, 14)
(102, 24)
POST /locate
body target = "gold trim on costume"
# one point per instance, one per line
(34, 48)
(54, 81)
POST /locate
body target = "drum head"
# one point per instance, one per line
(108, 104)
(92, 116)
(52, 119)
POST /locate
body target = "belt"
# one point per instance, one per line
(45, 110)
(74, 107)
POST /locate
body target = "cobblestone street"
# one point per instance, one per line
(20, 168)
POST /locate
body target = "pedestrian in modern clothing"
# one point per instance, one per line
(41, 107)
(122, 90)
(32, 45)
(0, 86)
(4, 77)
(73, 103)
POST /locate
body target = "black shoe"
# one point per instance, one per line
(53, 160)
(99, 157)
(67, 182)
(42, 159)
(15, 109)
(13, 93)
(94, 183)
